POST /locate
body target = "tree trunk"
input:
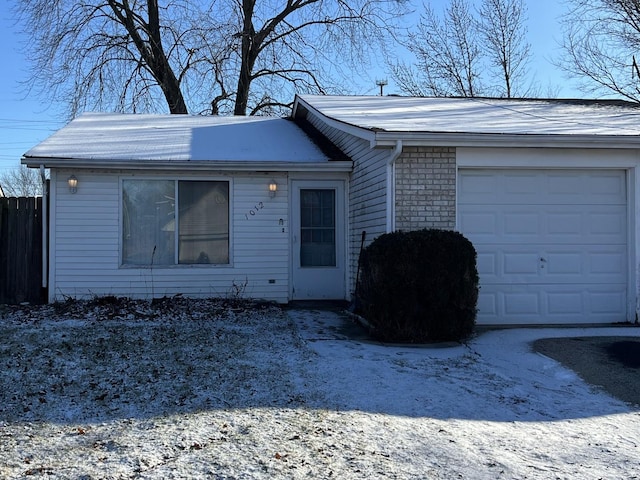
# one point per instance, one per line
(172, 93)
(160, 65)
(247, 59)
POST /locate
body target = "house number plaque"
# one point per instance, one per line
(256, 208)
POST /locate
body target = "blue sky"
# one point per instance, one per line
(26, 120)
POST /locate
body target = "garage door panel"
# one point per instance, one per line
(486, 224)
(584, 263)
(481, 186)
(552, 245)
(606, 187)
(480, 224)
(544, 187)
(542, 264)
(607, 265)
(581, 187)
(588, 224)
(519, 186)
(521, 263)
(487, 263)
(488, 306)
(520, 223)
(564, 263)
(609, 303)
(607, 224)
(522, 303)
(562, 223)
(565, 304)
(546, 224)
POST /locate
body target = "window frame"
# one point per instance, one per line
(175, 180)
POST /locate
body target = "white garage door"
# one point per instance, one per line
(551, 244)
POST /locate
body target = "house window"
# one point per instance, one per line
(153, 209)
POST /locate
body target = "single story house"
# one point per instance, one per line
(548, 191)
(153, 205)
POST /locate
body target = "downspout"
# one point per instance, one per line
(391, 186)
(45, 229)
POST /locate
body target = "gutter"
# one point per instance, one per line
(45, 229)
(459, 139)
(391, 186)
(180, 165)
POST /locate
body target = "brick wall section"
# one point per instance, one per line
(426, 188)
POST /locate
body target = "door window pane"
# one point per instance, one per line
(317, 228)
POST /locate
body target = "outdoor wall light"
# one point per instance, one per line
(273, 188)
(73, 184)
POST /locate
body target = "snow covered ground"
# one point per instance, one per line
(203, 389)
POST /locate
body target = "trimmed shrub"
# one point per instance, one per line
(419, 286)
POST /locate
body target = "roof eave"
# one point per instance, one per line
(301, 108)
(388, 139)
(177, 165)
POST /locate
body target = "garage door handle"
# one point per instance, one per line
(542, 259)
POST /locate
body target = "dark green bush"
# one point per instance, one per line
(419, 286)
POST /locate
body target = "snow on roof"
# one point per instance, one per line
(134, 137)
(480, 115)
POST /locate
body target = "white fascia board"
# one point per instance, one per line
(551, 158)
(329, 166)
(413, 139)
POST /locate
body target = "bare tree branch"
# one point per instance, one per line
(21, 181)
(600, 40)
(180, 55)
(503, 31)
(462, 55)
(447, 52)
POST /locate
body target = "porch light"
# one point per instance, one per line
(273, 188)
(73, 184)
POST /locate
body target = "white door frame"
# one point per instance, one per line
(319, 283)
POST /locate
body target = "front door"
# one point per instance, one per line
(318, 240)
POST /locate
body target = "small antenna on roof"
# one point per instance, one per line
(381, 83)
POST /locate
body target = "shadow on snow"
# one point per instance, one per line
(96, 370)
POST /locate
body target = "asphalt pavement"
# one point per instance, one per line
(611, 363)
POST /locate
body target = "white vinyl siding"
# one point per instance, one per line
(367, 191)
(85, 255)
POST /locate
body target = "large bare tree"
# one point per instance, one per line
(467, 52)
(601, 46)
(197, 56)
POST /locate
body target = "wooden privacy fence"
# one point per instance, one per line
(21, 250)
